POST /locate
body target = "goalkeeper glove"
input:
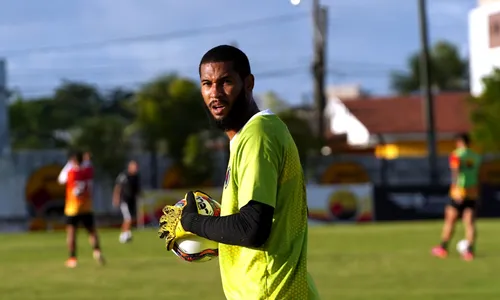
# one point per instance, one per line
(171, 226)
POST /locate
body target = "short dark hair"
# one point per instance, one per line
(464, 137)
(71, 153)
(78, 156)
(227, 53)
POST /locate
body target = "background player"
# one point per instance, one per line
(464, 194)
(78, 208)
(263, 228)
(126, 191)
(63, 175)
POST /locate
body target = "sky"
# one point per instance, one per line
(128, 42)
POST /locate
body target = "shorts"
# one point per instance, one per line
(129, 210)
(461, 206)
(87, 220)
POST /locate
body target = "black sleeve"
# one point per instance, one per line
(250, 227)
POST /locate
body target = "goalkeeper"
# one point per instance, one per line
(263, 228)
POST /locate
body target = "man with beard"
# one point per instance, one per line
(263, 227)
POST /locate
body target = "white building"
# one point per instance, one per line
(484, 42)
(341, 120)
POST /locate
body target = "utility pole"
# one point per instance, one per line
(426, 89)
(320, 16)
(4, 121)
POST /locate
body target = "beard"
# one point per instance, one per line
(237, 116)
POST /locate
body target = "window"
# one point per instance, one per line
(494, 27)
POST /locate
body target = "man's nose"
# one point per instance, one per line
(216, 90)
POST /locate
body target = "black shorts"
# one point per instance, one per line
(461, 206)
(129, 210)
(87, 220)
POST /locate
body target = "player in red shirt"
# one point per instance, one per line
(78, 207)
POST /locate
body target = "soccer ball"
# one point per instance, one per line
(462, 246)
(193, 248)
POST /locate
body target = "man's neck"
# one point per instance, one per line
(251, 112)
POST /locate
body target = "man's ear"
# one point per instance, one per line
(249, 83)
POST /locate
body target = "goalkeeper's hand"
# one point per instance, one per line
(171, 226)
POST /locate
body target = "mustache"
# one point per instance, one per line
(217, 101)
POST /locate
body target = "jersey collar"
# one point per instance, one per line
(260, 113)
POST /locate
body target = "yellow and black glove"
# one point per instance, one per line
(171, 226)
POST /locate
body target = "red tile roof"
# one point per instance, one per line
(405, 114)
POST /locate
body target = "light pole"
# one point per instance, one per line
(426, 89)
(320, 16)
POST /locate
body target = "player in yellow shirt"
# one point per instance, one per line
(263, 228)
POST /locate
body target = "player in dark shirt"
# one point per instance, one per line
(127, 188)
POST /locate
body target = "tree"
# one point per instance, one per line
(73, 102)
(104, 138)
(32, 126)
(449, 71)
(485, 114)
(197, 160)
(169, 109)
(46, 122)
(119, 102)
(272, 101)
(301, 132)
(164, 113)
(186, 115)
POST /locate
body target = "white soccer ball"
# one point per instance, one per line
(194, 248)
(462, 246)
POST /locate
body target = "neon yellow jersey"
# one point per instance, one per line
(264, 166)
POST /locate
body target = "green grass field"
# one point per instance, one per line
(376, 262)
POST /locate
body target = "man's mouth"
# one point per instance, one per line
(218, 109)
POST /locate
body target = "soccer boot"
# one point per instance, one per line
(439, 251)
(468, 256)
(71, 262)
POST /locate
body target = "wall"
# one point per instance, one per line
(484, 42)
(414, 149)
(30, 176)
(18, 182)
(398, 171)
(486, 2)
(402, 171)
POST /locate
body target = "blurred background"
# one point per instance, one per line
(373, 92)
